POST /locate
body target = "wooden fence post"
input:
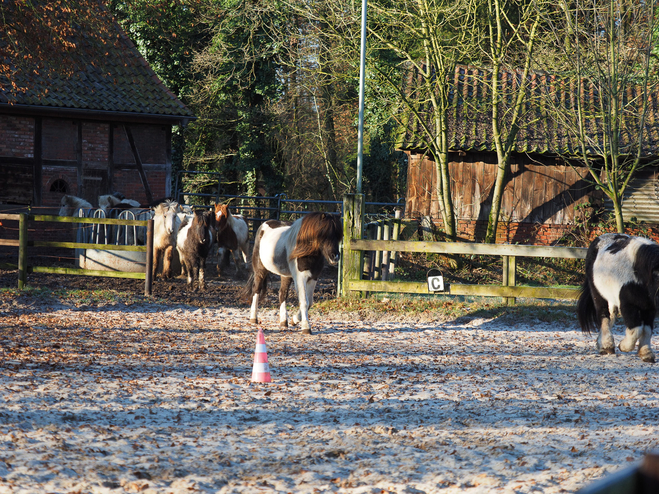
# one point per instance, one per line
(395, 235)
(509, 275)
(22, 251)
(353, 215)
(148, 275)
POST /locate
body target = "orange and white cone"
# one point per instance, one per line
(261, 370)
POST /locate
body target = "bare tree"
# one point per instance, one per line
(602, 102)
(429, 37)
(508, 42)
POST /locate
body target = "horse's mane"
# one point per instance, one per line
(166, 206)
(315, 230)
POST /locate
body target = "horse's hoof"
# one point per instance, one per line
(254, 321)
(306, 331)
(646, 356)
(607, 351)
(283, 325)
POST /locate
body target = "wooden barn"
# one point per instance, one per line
(81, 111)
(543, 192)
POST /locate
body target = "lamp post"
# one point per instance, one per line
(360, 133)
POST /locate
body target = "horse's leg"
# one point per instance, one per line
(283, 295)
(157, 254)
(202, 274)
(605, 343)
(220, 260)
(189, 269)
(638, 312)
(167, 262)
(239, 265)
(258, 284)
(303, 282)
(645, 345)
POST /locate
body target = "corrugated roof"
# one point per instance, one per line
(97, 69)
(470, 124)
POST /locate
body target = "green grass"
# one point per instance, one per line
(446, 308)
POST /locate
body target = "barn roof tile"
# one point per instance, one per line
(98, 69)
(541, 131)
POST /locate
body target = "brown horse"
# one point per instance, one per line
(232, 235)
(296, 252)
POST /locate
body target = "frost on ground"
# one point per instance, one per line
(158, 399)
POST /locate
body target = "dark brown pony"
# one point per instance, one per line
(296, 252)
(193, 244)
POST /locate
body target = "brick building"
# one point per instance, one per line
(90, 119)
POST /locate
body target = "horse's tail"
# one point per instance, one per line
(586, 312)
(245, 295)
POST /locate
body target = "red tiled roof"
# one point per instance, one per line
(100, 70)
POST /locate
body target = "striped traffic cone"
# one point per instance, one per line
(261, 370)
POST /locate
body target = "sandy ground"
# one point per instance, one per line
(157, 398)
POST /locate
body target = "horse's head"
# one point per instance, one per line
(222, 215)
(203, 222)
(170, 212)
(320, 233)
(331, 236)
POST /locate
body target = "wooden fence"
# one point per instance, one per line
(23, 243)
(354, 247)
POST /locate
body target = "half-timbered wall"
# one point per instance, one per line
(42, 159)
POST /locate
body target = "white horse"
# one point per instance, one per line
(296, 252)
(71, 205)
(622, 277)
(166, 223)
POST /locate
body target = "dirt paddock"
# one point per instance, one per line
(155, 396)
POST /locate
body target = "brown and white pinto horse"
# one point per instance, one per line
(297, 253)
(232, 234)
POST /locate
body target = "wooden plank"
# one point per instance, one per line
(469, 248)
(515, 291)
(469, 290)
(86, 272)
(79, 245)
(73, 219)
(9, 243)
(10, 217)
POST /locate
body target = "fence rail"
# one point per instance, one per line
(23, 243)
(355, 247)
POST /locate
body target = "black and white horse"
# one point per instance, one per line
(193, 243)
(622, 277)
(296, 252)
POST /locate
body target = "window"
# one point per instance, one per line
(60, 186)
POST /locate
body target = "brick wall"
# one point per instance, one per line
(95, 143)
(17, 137)
(128, 182)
